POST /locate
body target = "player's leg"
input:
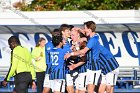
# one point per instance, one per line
(47, 84)
(82, 83)
(76, 84)
(69, 83)
(59, 86)
(46, 90)
(102, 84)
(111, 79)
(92, 80)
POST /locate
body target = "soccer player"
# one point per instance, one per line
(92, 48)
(110, 71)
(49, 44)
(65, 29)
(80, 63)
(48, 47)
(57, 65)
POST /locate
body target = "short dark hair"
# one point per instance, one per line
(56, 32)
(90, 25)
(56, 40)
(71, 26)
(63, 27)
(14, 39)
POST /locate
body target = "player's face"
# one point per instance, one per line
(74, 35)
(66, 33)
(87, 30)
(42, 43)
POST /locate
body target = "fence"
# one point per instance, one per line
(128, 80)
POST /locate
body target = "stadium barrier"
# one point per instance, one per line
(129, 74)
(128, 79)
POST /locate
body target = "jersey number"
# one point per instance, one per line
(54, 59)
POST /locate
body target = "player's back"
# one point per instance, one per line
(107, 60)
(56, 57)
(105, 52)
(56, 63)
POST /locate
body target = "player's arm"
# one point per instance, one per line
(91, 44)
(81, 62)
(83, 50)
(73, 66)
(79, 52)
(82, 58)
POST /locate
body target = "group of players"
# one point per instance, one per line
(77, 62)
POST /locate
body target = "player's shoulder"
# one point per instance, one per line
(49, 43)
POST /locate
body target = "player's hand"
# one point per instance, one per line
(4, 83)
(33, 86)
(72, 67)
(67, 56)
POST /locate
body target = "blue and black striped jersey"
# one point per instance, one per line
(48, 47)
(93, 54)
(107, 60)
(56, 63)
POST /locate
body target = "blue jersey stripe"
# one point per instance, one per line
(105, 62)
(83, 69)
(92, 64)
(57, 74)
(115, 62)
(108, 65)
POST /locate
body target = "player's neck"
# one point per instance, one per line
(92, 34)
